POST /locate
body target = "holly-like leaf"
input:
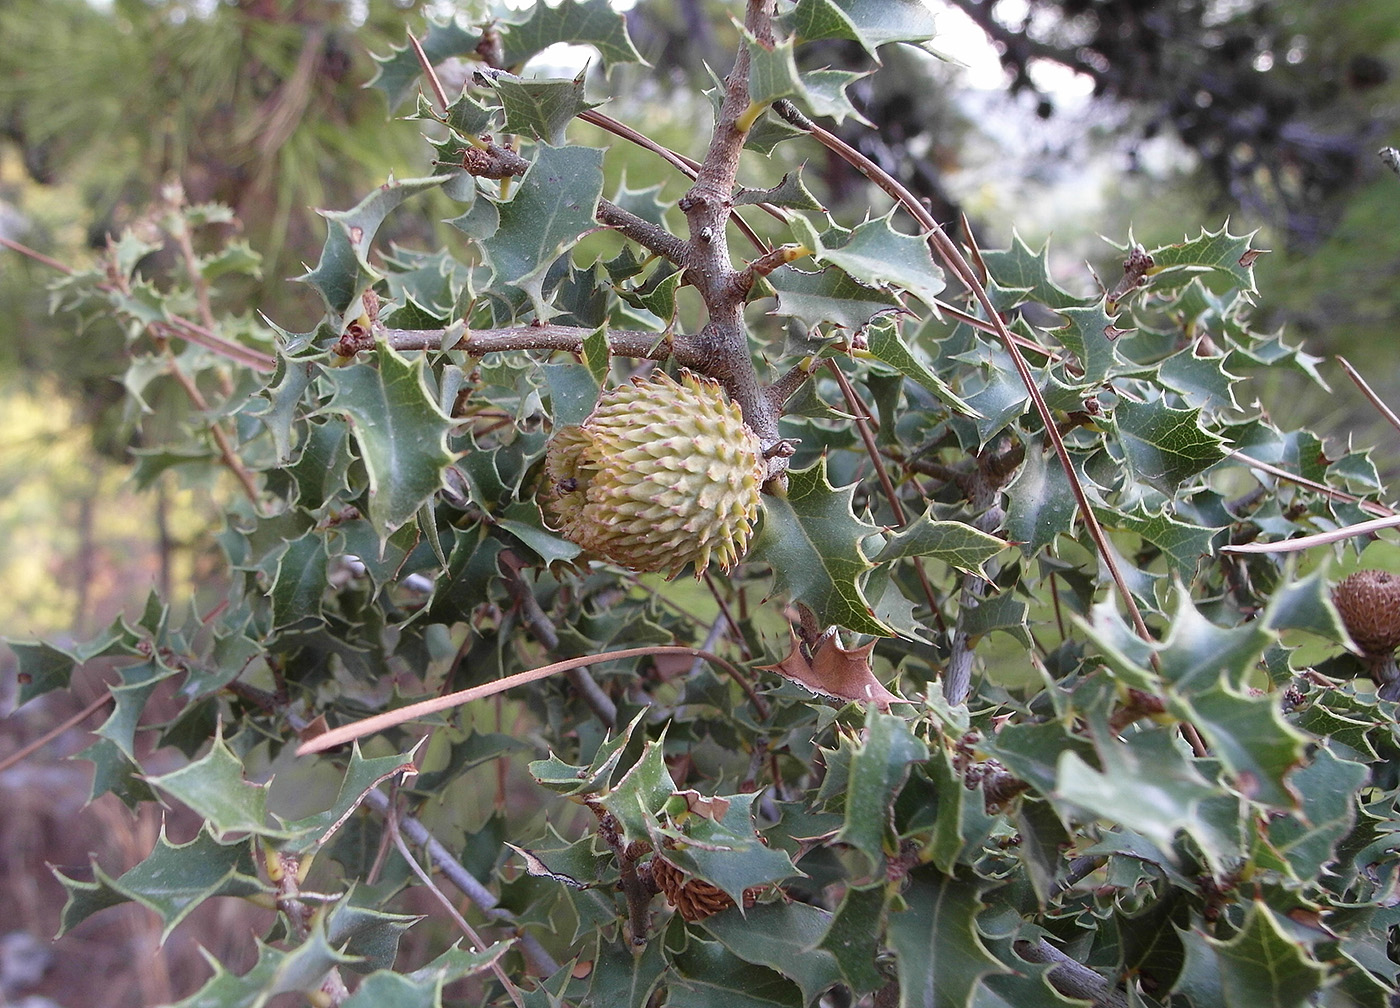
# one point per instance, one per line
(214, 787)
(1327, 788)
(640, 795)
(401, 433)
(878, 255)
(1090, 334)
(344, 270)
(1026, 272)
(887, 345)
(1262, 964)
(790, 192)
(1183, 544)
(727, 852)
(541, 108)
(784, 937)
(1230, 256)
(1147, 785)
(710, 976)
(872, 23)
(1040, 501)
(301, 581)
(42, 669)
(879, 767)
(829, 296)
(625, 976)
(1164, 447)
(853, 936)
(594, 23)
(941, 957)
(172, 881)
(812, 539)
(954, 543)
(360, 777)
(553, 207)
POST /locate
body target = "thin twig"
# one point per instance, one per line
(1374, 507)
(1369, 393)
(53, 733)
(391, 819)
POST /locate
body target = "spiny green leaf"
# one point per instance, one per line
(710, 976)
(1040, 502)
(1261, 965)
(784, 937)
(400, 430)
(1147, 785)
(829, 296)
(42, 669)
(114, 772)
(878, 255)
(541, 108)
(1089, 334)
(886, 344)
(553, 207)
(1023, 270)
(1162, 446)
(214, 787)
(301, 581)
(872, 23)
(1230, 256)
(344, 270)
(1327, 788)
(853, 936)
(954, 543)
(1184, 545)
(639, 796)
(172, 881)
(879, 767)
(361, 775)
(399, 71)
(624, 976)
(941, 957)
(961, 824)
(811, 539)
(790, 192)
(729, 852)
(592, 22)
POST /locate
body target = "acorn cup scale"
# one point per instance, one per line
(1369, 604)
(661, 474)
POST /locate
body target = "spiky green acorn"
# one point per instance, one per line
(661, 474)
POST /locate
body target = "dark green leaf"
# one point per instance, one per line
(830, 296)
(401, 433)
(853, 936)
(872, 23)
(344, 271)
(215, 788)
(1162, 446)
(812, 541)
(941, 957)
(541, 108)
(879, 767)
(1261, 965)
(552, 208)
(954, 543)
(784, 937)
(592, 22)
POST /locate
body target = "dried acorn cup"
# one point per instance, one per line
(1369, 604)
